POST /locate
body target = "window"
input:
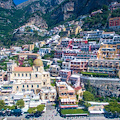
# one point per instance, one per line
(22, 75)
(18, 74)
(43, 83)
(26, 75)
(23, 86)
(14, 74)
(30, 75)
(37, 86)
(32, 86)
(44, 75)
(17, 87)
(36, 75)
(27, 86)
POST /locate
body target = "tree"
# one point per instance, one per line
(113, 107)
(40, 108)
(86, 104)
(32, 110)
(105, 7)
(20, 103)
(35, 50)
(2, 104)
(87, 96)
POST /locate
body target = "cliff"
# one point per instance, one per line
(7, 4)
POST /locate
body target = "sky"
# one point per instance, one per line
(18, 1)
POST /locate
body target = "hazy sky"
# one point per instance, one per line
(18, 1)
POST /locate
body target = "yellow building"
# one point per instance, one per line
(31, 47)
(67, 96)
(109, 51)
(29, 78)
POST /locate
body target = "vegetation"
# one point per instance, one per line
(39, 108)
(53, 82)
(2, 104)
(73, 111)
(49, 55)
(35, 50)
(30, 61)
(115, 13)
(47, 67)
(20, 103)
(95, 74)
(113, 107)
(3, 64)
(97, 21)
(87, 96)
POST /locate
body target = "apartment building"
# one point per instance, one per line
(78, 65)
(54, 70)
(48, 94)
(104, 66)
(114, 23)
(109, 51)
(65, 75)
(74, 80)
(66, 65)
(67, 95)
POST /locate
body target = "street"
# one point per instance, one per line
(52, 114)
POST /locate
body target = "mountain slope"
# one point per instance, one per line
(51, 12)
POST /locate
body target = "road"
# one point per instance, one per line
(52, 114)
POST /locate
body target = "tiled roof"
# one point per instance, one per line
(25, 69)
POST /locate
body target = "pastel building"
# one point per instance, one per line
(104, 66)
(48, 94)
(65, 75)
(114, 23)
(78, 65)
(109, 51)
(29, 78)
(74, 80)
(66, 95)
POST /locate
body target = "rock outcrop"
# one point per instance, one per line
(7, 4)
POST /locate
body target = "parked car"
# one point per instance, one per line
(16, 112)
(29, 116)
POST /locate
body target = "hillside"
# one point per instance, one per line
(51, 12)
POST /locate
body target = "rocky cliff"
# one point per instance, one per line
(7, 4)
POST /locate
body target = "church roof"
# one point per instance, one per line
(23, 69)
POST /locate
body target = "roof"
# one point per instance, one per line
(108, 33)
(25, 69)
(78, 88)
(28, 54)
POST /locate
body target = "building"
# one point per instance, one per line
(74, 80)
(93, 35)
(96, 12)
(110, 67)
(48, 94)
(44, 51)
(78, 65)
(65, 75)
(66, 95)
(29, 78)
(109, 51)
(66, 65)
(2, 76)
(114, 23)
(31, 47)
(114, 6)
(54, 70)
(26, 56)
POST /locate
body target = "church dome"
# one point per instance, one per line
(38, 62)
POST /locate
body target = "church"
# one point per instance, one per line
(28, 78)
